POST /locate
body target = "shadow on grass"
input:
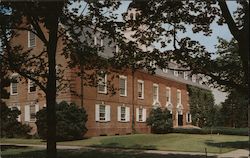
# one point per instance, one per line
(235, 144)
(8, 147)
(98, 153)
(120, 146)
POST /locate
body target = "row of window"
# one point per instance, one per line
(103, 113)
(29, 112)
(14, 85)
(102, 88)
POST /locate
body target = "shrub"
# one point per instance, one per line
(213, 130)
(70, 122)
(160, 121)
(10, 127)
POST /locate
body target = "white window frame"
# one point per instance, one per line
(125, 84)
(178, 91)
(188, 117)
(15, 75)
(176, 73)
(95, 40)
(168, 89)
(101, 42)
(144, 114)
(157, 95)
(27, 112)
(165, 70)
(116, 48)
(106, 114)
(29, 44)
(29, 86)
(19, 108)
(185, 75)
(194, 78)
(104, 84)
(126, 114)
(142, 89)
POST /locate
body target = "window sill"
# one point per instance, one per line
(14, 94)
(141, 98)
(100, 92)
(123, 95)
(102, 121)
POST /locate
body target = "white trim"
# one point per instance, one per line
(185, 75)
(29, 84)
(178, 90)
(29, 46)
(193, 78)
(165, 70)
(101, 43)
(188, 114)
(107, 116)
(11, 84)
(27, 113)
(157, 95)
(176, 73)
(95, 40)
(169, 89)
(105, 84)
(142, 95)
(125, 84)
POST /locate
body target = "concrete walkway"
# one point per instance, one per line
(239, 153)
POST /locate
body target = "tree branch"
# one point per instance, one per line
(229, 19)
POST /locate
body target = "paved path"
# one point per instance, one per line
(239, 153)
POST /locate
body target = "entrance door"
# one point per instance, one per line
(180, 120)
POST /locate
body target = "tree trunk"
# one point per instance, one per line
(51, 87)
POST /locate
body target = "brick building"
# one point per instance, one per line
(108, 115)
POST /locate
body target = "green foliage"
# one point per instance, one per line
(71, 121)
(213, 130)
(160, 121)
(202, 106)
(10, 127)
(233, 112)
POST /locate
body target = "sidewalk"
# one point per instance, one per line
(239, 153)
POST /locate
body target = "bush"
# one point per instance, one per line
(70, 122)
(10, 127)
(213, 130)
(160, 121)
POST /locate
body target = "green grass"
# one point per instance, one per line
(170, 142)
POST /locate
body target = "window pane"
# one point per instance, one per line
(122, 86)
(32, 112)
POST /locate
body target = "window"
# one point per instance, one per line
(102, 112)
(155, 92)
(31, 39)
(102, 82)
(185, 75)
(123, 113)
(31, 86)
(165, 70)
(193, 78)
(30, 112)
(16, 107)
(101, 42)
(131, 16)
(95, 40)
(188, 117)
(176, 73)
(123, 85)
(13, 84)
(168, 94)
(116, 48)
(141, 114)
(140, 89)
(178, 97)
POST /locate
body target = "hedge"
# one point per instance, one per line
(214, 130)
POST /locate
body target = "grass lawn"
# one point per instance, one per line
(171, 142)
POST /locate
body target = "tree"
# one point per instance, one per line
(71, 121)
(44, 19)
(163, 22)
(233, 110)
(160, 121)
(202, 107)
(10, 127)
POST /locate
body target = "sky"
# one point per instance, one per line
(208, 41)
